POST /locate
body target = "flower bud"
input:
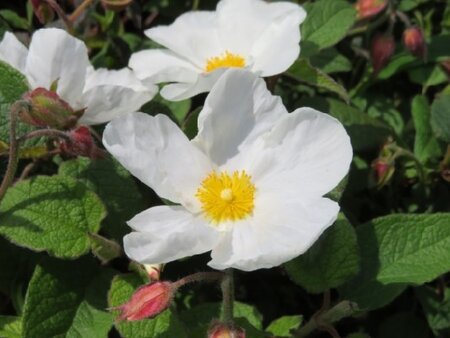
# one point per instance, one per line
(384, 170)
(153, 270)
(147, 302)
(414, 40)
(222, 330)
(116, 5)
(381, 50)
(43, 11)
(369, 8)
(46, 109)
(81, 143)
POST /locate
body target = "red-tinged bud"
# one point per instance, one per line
(382, 48)
(222, 330)
(153, 271)
(414, 40)
(384, 171)
(148, 301)
(116, 5)
(47, 109)
(43, 11)
(369, 8)
(80, 143)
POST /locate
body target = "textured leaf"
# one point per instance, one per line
(330, 61)
(426, 146)
(436, 308)
(397, 250)
(55, 214)
(304, 72)
(67, 299)
(282, 326)
(326, 24)
(331, 261)
(12, 86)
(114, 185)
(10, 327)
(165, 325)
(440, 118)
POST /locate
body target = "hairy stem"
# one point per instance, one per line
(79, 10)
(228, 296)
(199, 277)
(57, 8)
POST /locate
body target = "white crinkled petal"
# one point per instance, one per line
(13, 52)
(112, 93)
(243, 22)
(166, 234)
(280, 230)
(161, 65)
(237, 111)
(157, 152)
(56, 55)
(192, 35)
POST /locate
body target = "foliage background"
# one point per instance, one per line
(61, 228)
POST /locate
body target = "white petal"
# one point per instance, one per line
(56, 55)
(243, 22)
(308, 148)
(193, 35)
(237, 111)
(160, 65)
(280, 230)
(157, 152)
(112, 93)
(181, 91)
(13, 52)
(166, 234)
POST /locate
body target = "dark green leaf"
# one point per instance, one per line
(330, 61)
(282, 326)
(436, 308)
(10, 327)
(440, 118)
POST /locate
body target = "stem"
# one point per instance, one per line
(45, 132)
(339, 311)
(79, 10)
(195, 5)
(228, 296)
(13, 151)
(199, 277)
(57, 8)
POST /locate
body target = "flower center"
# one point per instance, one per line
(226, 197)
(225, 60)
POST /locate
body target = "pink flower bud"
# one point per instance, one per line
(414, 40)
(382, 48)
(153, 270)
(81, 144)
(147, 302)
(383, 171)
(222, 330)
(43, 11)
(47, 109)
(369, 8)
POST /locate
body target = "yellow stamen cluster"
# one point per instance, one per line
(224, 61)
(227, 197)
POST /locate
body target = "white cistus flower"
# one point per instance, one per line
(249, 186)
(57, 59)
(253, 34)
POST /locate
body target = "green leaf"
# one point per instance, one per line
(282, 326)
(330, 61)
(12, 86)
(115, 187)
(440, 118)
(365, 132)
(189, 125)
(436, 308)
(67, 299)
(104, 248)
(178, 109)
(426, 146)
(331, 261)
(302, 71)
(14, 20)
(165, 325)
(407, 5)
(55, 214)
(430, 75)
(397, 250)
(10, 327)
(326, 24)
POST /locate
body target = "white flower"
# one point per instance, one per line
(250, 185)
(259, 36)
(54, 55)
